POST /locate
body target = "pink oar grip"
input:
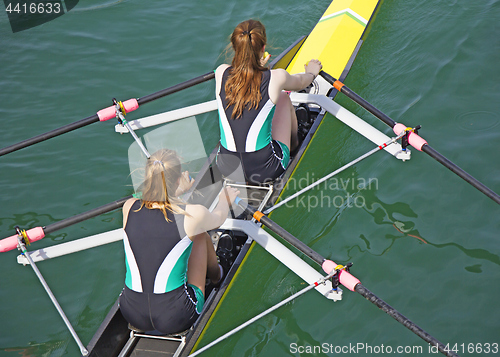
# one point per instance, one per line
(106, 114)
(413, 139)
(10, 243)
(110, 112)
(345, 278)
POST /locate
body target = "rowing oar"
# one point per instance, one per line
(37, 233)
(345, 278)
(412, 138)
(107, 113)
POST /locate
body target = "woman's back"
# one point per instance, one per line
(156, 250)
(167, 249)
(252, 130)
(257, 119)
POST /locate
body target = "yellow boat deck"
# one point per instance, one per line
(335, 36)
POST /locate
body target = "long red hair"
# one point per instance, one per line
(243, 85)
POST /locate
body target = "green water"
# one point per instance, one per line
(422, 239)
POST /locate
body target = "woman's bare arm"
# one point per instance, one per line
(126, 209)
(282, 80)
(201, 220)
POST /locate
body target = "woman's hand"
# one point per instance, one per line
(265, 58)
(228, 194)
(314, 66)
(185, 183)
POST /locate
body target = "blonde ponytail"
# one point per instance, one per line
(163, 171)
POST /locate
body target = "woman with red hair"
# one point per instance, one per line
(257, 120)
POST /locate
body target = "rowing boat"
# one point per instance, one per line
(135, 343)
(334, 28)
(317, 103)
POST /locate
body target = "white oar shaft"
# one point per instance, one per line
(83, 350)
(262, 314)
(346, 166)
(121, 119)
(136, 138)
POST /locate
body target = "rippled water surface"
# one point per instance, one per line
(419, 237)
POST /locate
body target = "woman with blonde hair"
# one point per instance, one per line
(168, 251)
(257, 121)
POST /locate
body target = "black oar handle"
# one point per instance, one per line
(396, 315)
(461, 173)
(85, 215)
(276, 228)
(48, 135)
(178, 87)
(341, 87)
(95, 118)
(359, 288)
(37, 233)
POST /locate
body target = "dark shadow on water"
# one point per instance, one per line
(383, 214)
